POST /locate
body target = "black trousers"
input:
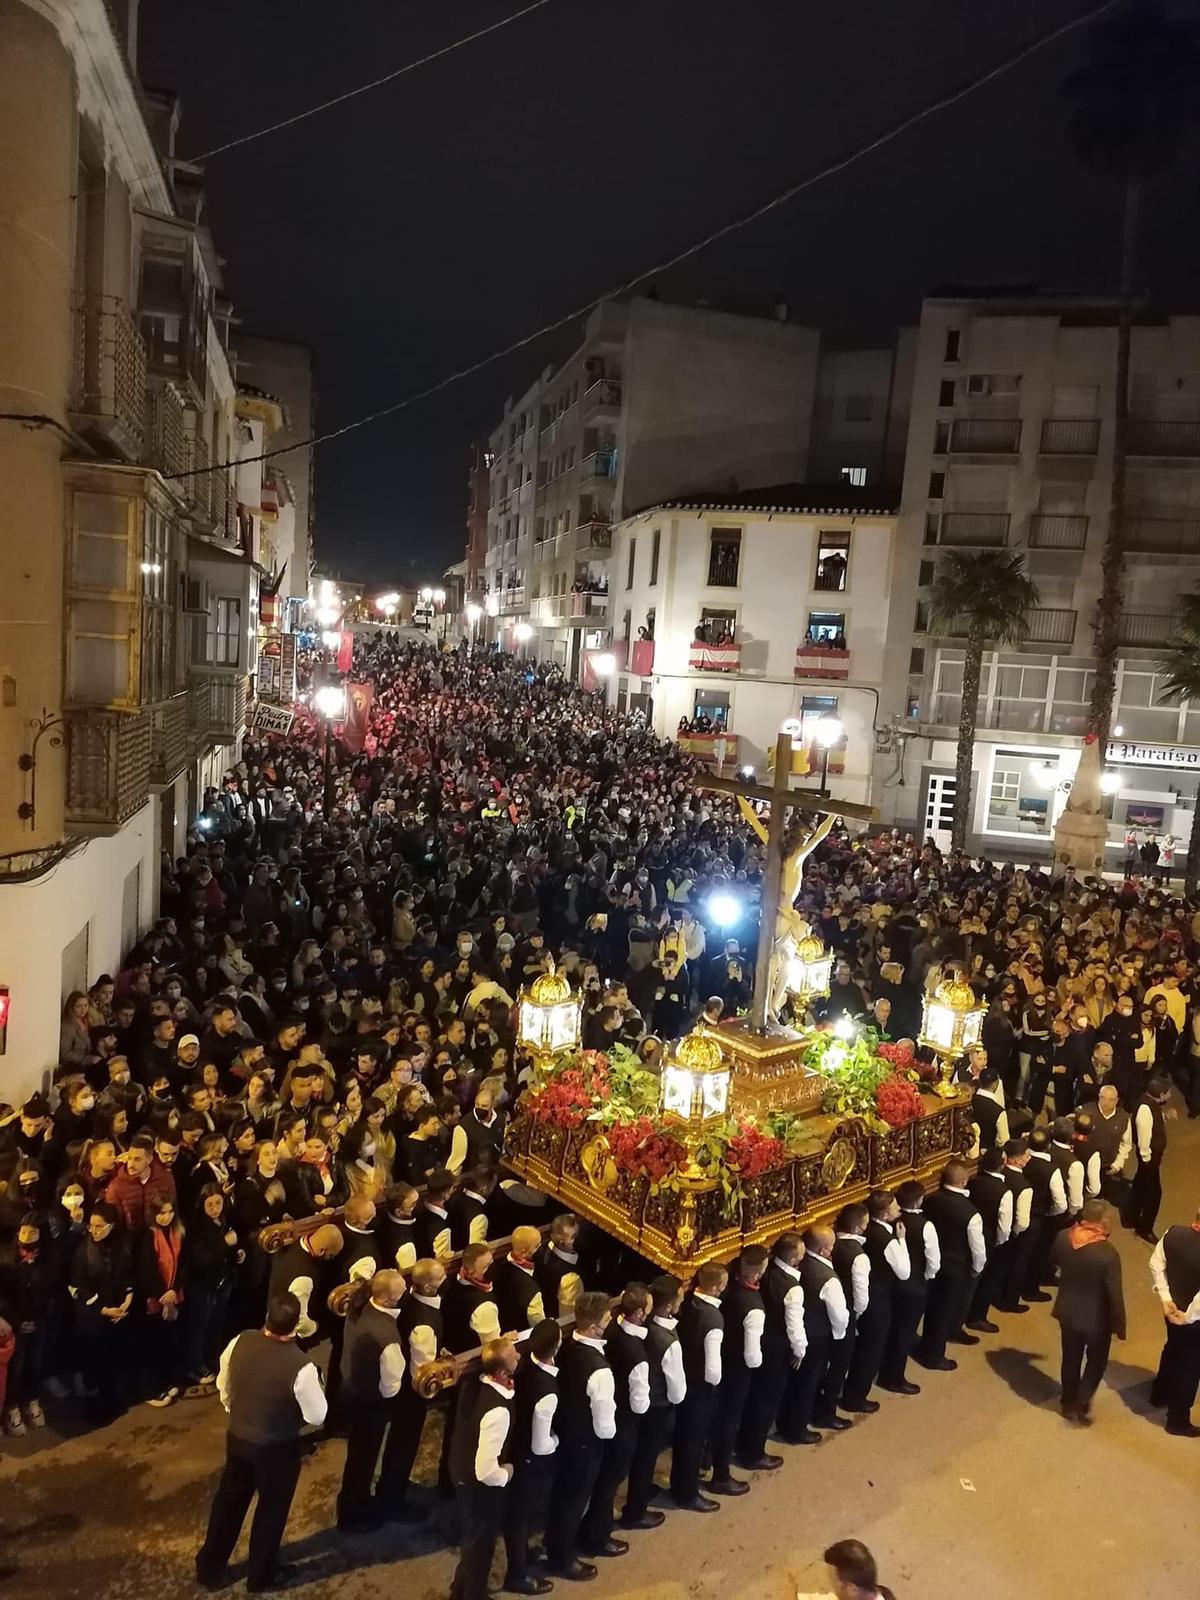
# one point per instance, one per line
(1018, 1257)
(988, 1285)
(525, 1511)
(654, 1431)
(408, 1413)
(271, 1471)
(949, 1297)
(1190, 1083)
(482, 1518)
(731, 1403)
(693, 1423)
(1045, 1231)
(1145, 1197)
(763, 1404)
(596, 1528)
(1083, 1362)
(1178, 1374)
(366, 1424)
(870, 1341)
(834, 1381)
(1039, 1082)
(574, 1478)
(803, 1386)
(907, 1311)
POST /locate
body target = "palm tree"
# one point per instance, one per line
(984, 596)
(1179, 671)
(1132, 105)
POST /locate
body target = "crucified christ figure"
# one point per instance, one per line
(790, 926)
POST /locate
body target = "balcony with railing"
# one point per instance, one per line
(109, 380)
(974, 528)
(1070, 436)
(716, 749)
(600, 464)
(1050, 626)
(816, 658)
(216, 705)
(168, 739)
(197, 486)
(168, 439)
(1163, 535)
(108, 767)
(991, 436)
(575, 605)
(1146, 436)
(593, 535)
(603, 395)
(512, 599)
(714, 649)
(1146, 629)
(1057, 531)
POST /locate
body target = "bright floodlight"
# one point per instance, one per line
(1110, 782)
(1118, 731)
(605, 664)
(330, 701)
(828, 730)
(725, 909)
(331, 640)
(844, 1027)
(473, 614)
(388, 602)
(327, 616)
(746, 772)
(522, 632)
(439, 596)
(426, 594)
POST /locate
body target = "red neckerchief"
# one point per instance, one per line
(476, 1283)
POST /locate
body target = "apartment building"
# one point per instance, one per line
(129, 614)
(657, 400)
(1010, 445)
(756, 611)
(281, 370)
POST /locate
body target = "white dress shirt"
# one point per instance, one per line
(895, 1253)
(1143, 1123)
(793, 1314)
(441, 1239)
(713, 1341)
(493, 1431)
(933, 1248)
(544, 1440)
(672, 1364)
(1158, 1274)
(601, 1393)
(485, 1321)
(639, 1373)
(833, 1298)
(302, 1286)
(860, 1275)
(1023, 1209)
(366, 1267)
(996, 1096)
(1075, 1181)
(422, 1340)
(1058, 1190)
(391, 1359)
(310, 1396)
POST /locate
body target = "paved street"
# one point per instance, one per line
(977, 1484)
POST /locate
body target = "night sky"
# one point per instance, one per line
(416, 228)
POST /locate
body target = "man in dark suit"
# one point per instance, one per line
(1090, 1308)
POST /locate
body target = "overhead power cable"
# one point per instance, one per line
(839, 164)
(365, 88)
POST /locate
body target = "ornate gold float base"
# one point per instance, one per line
(680, 1228)
(768, 1069)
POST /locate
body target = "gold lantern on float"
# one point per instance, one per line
(696, 1088)
(951, 1024)
(809, 970)
(548, 1018)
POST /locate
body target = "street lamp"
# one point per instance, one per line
(522, 633)
(330, 702)
(605, 664)
(828, 731)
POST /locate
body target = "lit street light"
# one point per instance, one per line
(828, 731)
(522, 633)
(330, 703)
(724, 909)
(605, 664)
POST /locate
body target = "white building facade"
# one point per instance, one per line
(789, 589)
(1010, 446)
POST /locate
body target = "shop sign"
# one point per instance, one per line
(1154, 755)
(273, 719)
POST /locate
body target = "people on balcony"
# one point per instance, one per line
(714, 631)
(824, 638)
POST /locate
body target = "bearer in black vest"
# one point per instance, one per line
(304, 1269)
(741, 1357)
(420, 1330)
(1019, 1250)
(469, 1319)
(1111, 1146)
(556, 1266)
(994, 1202)
(358, 1263)
(627, 1348)
(396, 1226)
(480, 1466)
(887, 1252)
(518, 1297)
(988, 1111)
(826, 1322)
(701, 1339)
(668, 1387)
(1071, 1168)
(466, 1210)
(1150, 1145)
(784, 1343)
(480, 1135)
(270, 1389)
(535, 1447)
(373, 1369)
(909, 1295)
(433, 1219)
(1048, 1204)
(853, 1267)
(586, 1420)
(959, 1229)
(1175, 1270)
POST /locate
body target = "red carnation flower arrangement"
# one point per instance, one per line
(639, 1149)
(898, 1101)
(750, 1153)
(899, 1055)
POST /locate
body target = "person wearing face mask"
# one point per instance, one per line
(29, 1134)
(160, 1274)
(32, 1305)
(1034, 1053)
(101, 1289)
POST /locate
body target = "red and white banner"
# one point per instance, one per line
(814, 662)
(714, 657)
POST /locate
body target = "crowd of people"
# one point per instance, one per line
(322, 1020)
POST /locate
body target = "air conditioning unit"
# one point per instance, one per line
(195, 595)
(979, 383)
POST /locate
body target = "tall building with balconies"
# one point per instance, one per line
(1010, 446)
(130, 603)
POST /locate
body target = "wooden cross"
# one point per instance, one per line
(781, 797)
